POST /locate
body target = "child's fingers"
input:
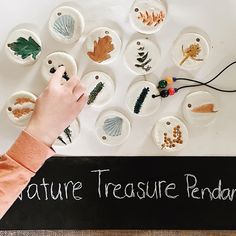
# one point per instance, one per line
(81, 102)
(79, 90)
(72, 82)
(56, 78)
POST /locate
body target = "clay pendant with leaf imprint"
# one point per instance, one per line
(23, 109)
(25, 48)
(94, 93)
(143, 60)
(140, 100)
(206, 108)
(191, 53)
(102, 49)
(151, 19)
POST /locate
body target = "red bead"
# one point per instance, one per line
(171, 91)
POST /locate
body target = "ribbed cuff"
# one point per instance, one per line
(29, 152)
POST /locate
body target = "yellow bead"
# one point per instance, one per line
(169, 80)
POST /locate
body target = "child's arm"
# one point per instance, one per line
(55, 109)
(17, 167)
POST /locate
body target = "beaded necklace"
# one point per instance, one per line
(171, 91)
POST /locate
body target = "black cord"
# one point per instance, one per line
(203, 84)
(207, 83)
(198, 83)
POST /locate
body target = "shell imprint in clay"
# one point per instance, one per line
(113, 126)
(64, 25)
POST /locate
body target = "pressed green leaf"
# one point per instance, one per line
(95, 92)
(25, 48)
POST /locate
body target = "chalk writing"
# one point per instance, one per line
(140, 190)
(51, 191)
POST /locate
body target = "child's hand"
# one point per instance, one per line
(56, 108)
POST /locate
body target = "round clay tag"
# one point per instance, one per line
(142, 56)
(55, 60)
(20, 107)
(66, 24)
(148, 16)
(112, 128)
(100, 88)
(200, 108)
(103, 45)
(23, 47)
(69, 135)
(170, 134)
(141, 98)
(190, 51)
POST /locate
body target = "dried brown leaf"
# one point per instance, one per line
(102, 49)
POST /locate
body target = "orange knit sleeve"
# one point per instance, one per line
(18, 166)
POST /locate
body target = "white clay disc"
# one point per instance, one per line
(187, 45)
(113, 128)
(148, 16)
(200, 108)
(100, 88)
(20, 107)
(56, 59)
(69, 135)
(142, 56)
(170, 134)
(66, 24)
(140, 99)
(103, 45)
(23, 47)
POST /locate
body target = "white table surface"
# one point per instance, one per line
(216, 17)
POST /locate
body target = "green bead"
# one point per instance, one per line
(162, 84)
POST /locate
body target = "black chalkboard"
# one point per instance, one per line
(128, 193)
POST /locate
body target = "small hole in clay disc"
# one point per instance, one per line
(138, 43)
(136, 9)
(59, 13)
(50, 62)
(189, 105)
(9, 109)
(198, 39)
(106, 32)
(104, 137)
(96, 77)
(168, 122)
